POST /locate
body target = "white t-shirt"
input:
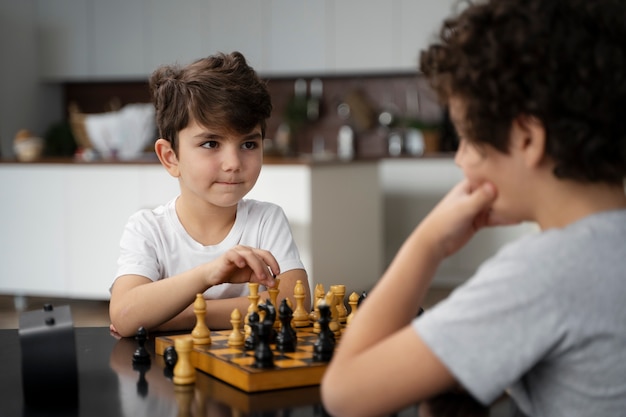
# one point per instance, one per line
(155, 244)
(546, 319)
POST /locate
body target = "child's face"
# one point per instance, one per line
(482, 163)
(218, 166)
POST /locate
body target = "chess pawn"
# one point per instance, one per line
(318, 298)
(340, 294)
(300, 316)
(353, 301)
(325, 344)
(184, 372)
(201, 334)
(274, 299)
(334, 325)
(141, 355)
(236, 338)
(286, 338)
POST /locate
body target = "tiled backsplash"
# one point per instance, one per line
(374, 107)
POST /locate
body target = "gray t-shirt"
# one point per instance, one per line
(545, 320)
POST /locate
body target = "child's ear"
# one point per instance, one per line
(529, 137)
(167, 156)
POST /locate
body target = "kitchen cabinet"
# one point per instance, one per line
(62, 222)
(89, 39)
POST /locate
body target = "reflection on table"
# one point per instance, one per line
(111, 385)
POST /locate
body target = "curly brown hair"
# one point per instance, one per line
(561, 61)
(218, 91)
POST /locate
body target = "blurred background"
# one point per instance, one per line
(354, 127)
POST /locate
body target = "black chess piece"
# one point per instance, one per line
(362, 298)
(253, 338)
(141, 355)
(270, 318)
(263, 355)
(325, 344)
(286, 338)
(170, 357)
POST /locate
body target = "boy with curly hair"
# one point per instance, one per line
(536, 90)
(211, 117)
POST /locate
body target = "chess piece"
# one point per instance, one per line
(253, 337)
(362, 298)
(334, 325)
(184, 372)
(300, 316)
(340, 294)
(263, 355)
(169, 357)
(353, 301)
(274, 299)
(318, 298)
(267, 313)
(141, 355)
(235, 339)
(286, 338)
(253, 297)
(325, 344)
(201, 334)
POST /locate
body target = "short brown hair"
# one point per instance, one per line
(220, 91)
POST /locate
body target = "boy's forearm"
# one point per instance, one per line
(396, 298)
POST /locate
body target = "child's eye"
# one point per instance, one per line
(249, 145)
(211, 144)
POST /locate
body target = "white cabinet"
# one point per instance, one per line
(129, 38)
(61, 223)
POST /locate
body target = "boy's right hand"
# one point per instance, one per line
(458, 216)
(242, 264)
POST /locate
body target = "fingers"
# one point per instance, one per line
(262, 263)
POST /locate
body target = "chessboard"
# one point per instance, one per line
(235, 366)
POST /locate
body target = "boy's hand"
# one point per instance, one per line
(242, 264)
(458, 216)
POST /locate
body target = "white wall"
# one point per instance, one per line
(58, 40)
(25, 102)
(411, 188)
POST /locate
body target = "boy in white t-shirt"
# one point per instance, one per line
(536, 90)
(211, 117)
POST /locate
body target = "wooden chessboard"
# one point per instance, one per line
(235, 365)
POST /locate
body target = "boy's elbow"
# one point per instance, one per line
(121, 325)
(334, 399)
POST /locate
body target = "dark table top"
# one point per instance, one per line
(110, 386)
